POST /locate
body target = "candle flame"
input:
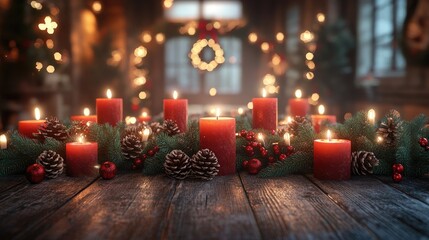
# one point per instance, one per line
(3, 141)
(217, 113)
(109, 93)
(175, 94)
(37, 113)
(288, 119)
(298, 93)
(86, 111)
(328, 134)
(240, 111)
(379, 139)
(264, 92)
(260, 136)
(286, 137)
(144, 114)
(321, 109)
(81, 139)
(371, 115)
(146, 132)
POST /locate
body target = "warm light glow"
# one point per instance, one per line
(109, 93)
(191, 31)
(147, 38)
(321, 17)
(328, 135)
(379, 139)
(37, 113)
(81, 139)
(311, 65)
(57, 56)
(253, 37)
(145, 135)
(288, 119)
(216, 25)
(50, 69)
(371, 116)
(168, 3)
(309, 56)
(286, 137)
(139, 81)
(309, 75)
(269, 79)
(140, 52)
(50, 43)
(315, 97)
(3, 141)
(86, 111)
(160, 38)
(212, 92)
(144, 114)
(306, 36)
(298, 93)
(175, 94)
(39, 66)
(133, 120)
(36, 5)
(96, 6)
(321, 109)
(142, 95)
(240, 111)
(217, 113)
(260, 137)
(264, 92)
(48, 25)
(250, 105)
(276, 60)
(280, 37)
(265, 47)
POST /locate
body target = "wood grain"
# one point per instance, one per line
(27, 204)
(9, 182)
(293, 207)
(415, 187)
(216, 209)
(389, 213)
(129, 206)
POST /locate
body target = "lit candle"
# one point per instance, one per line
(86, 117)
(317, 120)
(332, 158)
(3, 141)
(218, 135)
(28, 127)
(109, 110)
(265, 112)
(298, 106)
(286, 137)
(177, 110)
(371, 116)
(81, 158)
(145, 134)
(261, 139)
(144, 117)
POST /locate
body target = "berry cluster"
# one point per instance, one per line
(398, 169)
(424, 143)
(138, 162)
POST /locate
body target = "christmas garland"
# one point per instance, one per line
(375, 148)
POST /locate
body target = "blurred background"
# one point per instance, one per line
(348, 55)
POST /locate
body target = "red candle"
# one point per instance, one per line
(298, 106)
(332, 159)
(81, 158)
(86, 117)
(218, 135)
(109, 110)
(144, 117)
(317, 120)
(177, 110)
(28, 127)
(265, 112)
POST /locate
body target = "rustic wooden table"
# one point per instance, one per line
(133, 206)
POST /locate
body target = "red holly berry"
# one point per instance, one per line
(243, 133)
(282, 157)
(144, 156)
(398, 168)
(108, 170)
(423, 142)
(276, 151)
(35, 173)
(271, 159)
(156, 149)
(290, 150)
(249, 151)
(245, 164)
(261, 149)
(264, 153)
(138, 162)
(250, 138)
(397, 177)
(253, 144)
(151, 152)
(254, 166)
(276, 147)
(273, 132)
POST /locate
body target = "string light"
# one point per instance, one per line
(160, 38)
(168, 3)
(142, 95)
(306, 36)
(49, 43)
(197, 48)
(36, 5)
(253, 37)
(140, 52)
(315, 97)
(96, 6)
(57, 56)
(50, 69)
(265, 47)
(309, 75)
(309, 56)
(321, 17)
(311, 65)
(39, 66)
(147, 38)
(192, 31)
(212, 92)
(48, 25)
(250, 105)
(276, 60)
(280, 37)
(139, 81)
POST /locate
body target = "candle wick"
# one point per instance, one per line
(217, 117)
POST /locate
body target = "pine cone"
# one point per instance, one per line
(135, 129)
(156, 127)
(53, 128)
(389, 129)
(131, 147)
(78, 128)
(170, 127)
(297, 122)
(52, 162)
(205, 165)
(177, 164)
(363, 162)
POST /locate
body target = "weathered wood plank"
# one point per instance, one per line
(217, 209)
(9, 182)
(415, 187)
(126, 207)
(389, 213)
(27, 204)
(292, 207)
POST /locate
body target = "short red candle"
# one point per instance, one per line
(177, 110)
(317, 120)
(332, 159)
(81, 159)
(28, 127)
(144, 118)
(298, 107)
(265, 113)
(109, 110)
(218, 135)
(84, 119)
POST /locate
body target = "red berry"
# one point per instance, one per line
(282, 157)
(254, 166)
(108, 170)
(243, 133)
(35, 173)
(144, 156)
(398, 168)
(271, 159)
(290, 149)
(273, 132)
(254, 144)
(245, 164)
(250, 138)
(151, 152)
(156, 149)
(264, 153)
(276, 151)
(423, 142)
(276, 147)
(397, 177)
(250, 133)
(259, 144)
(138, 162)
(261, 149)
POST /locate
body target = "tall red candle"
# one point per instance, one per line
(177, 110)
(28, 127)
(86, 117)
(317, 120)
(218, 135)
(109, 110)
(298, 106)
(81, 159)
(332, 159)
(265, 112)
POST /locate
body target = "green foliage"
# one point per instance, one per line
(300, 162)
(243, 122)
